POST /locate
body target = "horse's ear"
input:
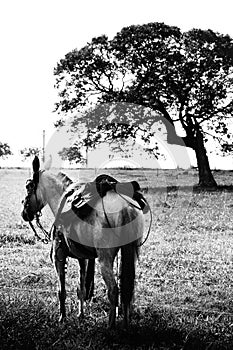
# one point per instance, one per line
(35, 164)
(48, 163)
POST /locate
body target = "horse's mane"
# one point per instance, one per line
(65, 180)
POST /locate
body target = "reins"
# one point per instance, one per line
(149, 229)
(47, 235)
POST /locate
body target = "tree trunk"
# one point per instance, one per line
(206, 178)
(193, 140)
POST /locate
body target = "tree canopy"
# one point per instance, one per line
(5, 150)
(186, 78)
(29, 152)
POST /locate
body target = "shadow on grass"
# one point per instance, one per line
(18, 238)
(195, 188)
(31, 323)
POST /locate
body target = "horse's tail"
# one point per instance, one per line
(129, 254)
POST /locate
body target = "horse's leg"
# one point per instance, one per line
(60, 268)
(81, 292)
(59, 256)
(89, 283)
(127, 278)
(106, 264)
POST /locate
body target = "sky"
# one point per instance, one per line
(35, 35)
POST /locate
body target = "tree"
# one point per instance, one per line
(185, 78)
(4, 150)
(72, 154)
(29, 152)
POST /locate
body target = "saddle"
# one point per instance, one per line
(100, 186)
(81, 199)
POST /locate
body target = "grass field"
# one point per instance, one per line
(184, 286)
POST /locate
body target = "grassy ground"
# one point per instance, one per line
(183, 296)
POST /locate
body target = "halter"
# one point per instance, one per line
(31, 186)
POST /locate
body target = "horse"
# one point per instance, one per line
(114, 223)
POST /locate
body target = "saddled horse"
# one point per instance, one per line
(114, 222)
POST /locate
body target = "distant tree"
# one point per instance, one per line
(29, 152)
(5, 150)
(72, 154)
(185, 78)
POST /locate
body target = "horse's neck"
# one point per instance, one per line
(52, 191)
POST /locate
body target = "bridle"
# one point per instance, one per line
(31, 187)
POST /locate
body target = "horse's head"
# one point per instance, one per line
(34, 201)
